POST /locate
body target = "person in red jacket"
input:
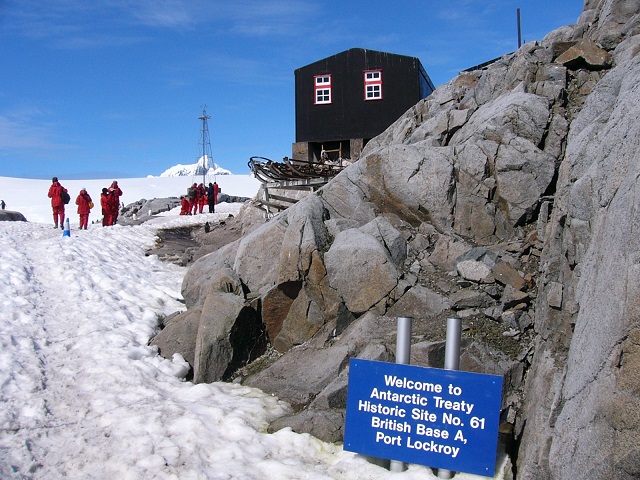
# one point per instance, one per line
(202, 197)
(57, 204)
(184, 205)
(84, 203)
(190, 197)
(216, 191)
(212, 196)
(114, 197)
(196, 199)
(105, 203)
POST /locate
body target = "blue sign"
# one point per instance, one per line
(441, 418)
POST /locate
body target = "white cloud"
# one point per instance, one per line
(26, 129)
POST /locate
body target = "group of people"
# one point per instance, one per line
(197, 197)
(190, 204)
(109, 201)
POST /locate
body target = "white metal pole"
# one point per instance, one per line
(403, 342)
(452, 349)
(451, 362)
(403, 356)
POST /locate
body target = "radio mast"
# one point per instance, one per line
(206, 147)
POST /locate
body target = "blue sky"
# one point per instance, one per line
(114, 88)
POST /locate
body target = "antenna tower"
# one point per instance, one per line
(206, 146)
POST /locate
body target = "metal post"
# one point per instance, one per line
(452, 349)
(403, 342)
(519, 30)
(403, 356)
(451, 362)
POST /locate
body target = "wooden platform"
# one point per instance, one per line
(289, 175)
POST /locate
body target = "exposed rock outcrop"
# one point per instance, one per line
(507, 198)
(11, 216)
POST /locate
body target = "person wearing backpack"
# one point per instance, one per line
(114, 196)
(192, 191)
(85, 204)
(56, 192)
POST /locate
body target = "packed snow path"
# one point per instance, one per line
(82, 395)
(81, 392)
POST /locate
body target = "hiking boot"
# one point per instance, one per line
(61, 226)
(56, 226)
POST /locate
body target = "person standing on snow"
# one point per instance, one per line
(196, 199)
(202, 197)
(114, 198)
(211, 198)
(57, 204)
(2, 204)
(216, 191)
(84, 203)
(192, 191)
(193, 198)
(105, 203)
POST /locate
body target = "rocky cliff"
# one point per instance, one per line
(506, 198)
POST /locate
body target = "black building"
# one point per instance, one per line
(345, 100)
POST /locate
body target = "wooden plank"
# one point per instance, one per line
(277, 206)
(282, 199)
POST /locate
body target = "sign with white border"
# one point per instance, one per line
(428, 416)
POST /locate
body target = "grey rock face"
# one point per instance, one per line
(593, 222)
(526, 169)
(355, 252)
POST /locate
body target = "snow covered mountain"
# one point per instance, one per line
(191, 170)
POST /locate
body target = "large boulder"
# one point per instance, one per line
(302, 374)
(205, 272)
(230, 335)
(419, 301)
(585, 53)
(360, 269)
(280, 250)
(414, 182)
(178, 335)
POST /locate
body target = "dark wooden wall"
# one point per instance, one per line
(404, 83)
